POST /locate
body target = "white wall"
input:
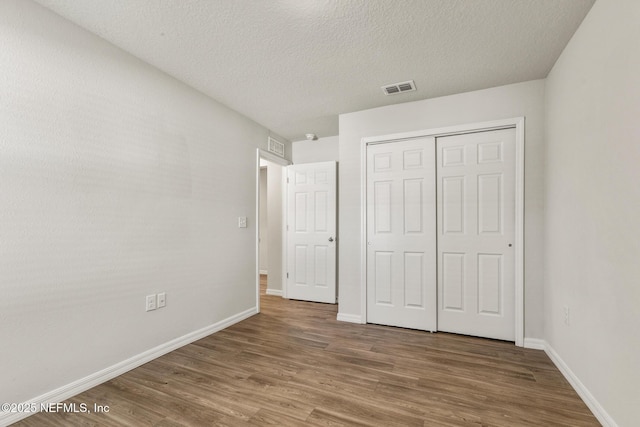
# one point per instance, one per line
(274, 215)
(592, 200)
(322, 150)
(264, 223)
(116, 181)
(523, 99)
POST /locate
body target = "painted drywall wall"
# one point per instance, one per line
(522, 99)
(322, 150)
(116, 182)
(264, 224)
(274, 215)
(592, 238)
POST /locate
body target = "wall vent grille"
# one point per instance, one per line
(399, 87)
(275, 147)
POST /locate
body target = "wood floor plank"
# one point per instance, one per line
(294, 364)
(266, 417)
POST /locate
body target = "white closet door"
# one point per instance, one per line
(311, 232)
(401, 234)
(476, 232)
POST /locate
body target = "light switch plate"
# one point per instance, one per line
(242, 222)
(150, 302)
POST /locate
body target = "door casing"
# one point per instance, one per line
(517, 123)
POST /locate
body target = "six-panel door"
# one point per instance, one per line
(311, 233)
(401, 234)
(476, 232)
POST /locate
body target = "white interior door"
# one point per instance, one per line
(476, 232)
(311, 232)
(401, 234)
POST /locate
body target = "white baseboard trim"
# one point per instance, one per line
(351, 318)
(534, 343)
(276, 292)
(598, 411)
(65, 392)
(263, 272)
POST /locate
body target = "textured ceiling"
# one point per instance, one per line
(295, 65)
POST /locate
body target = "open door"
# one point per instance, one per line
(311, 232)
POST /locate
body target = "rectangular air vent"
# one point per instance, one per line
(399, 87)
(275, 147)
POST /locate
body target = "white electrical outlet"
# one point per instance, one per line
(566, 314)
(151, 302)
(242, 222)
(162, 299)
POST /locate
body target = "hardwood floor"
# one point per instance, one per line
(294, 364)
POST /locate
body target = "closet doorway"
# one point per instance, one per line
(443, 239)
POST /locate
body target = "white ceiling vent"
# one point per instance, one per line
(399, 87)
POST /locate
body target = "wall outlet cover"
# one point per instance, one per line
(162, 299)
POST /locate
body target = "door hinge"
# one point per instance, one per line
(287, 180)
(287, 275)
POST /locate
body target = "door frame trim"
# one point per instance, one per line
(517, 123)
(265, 155)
